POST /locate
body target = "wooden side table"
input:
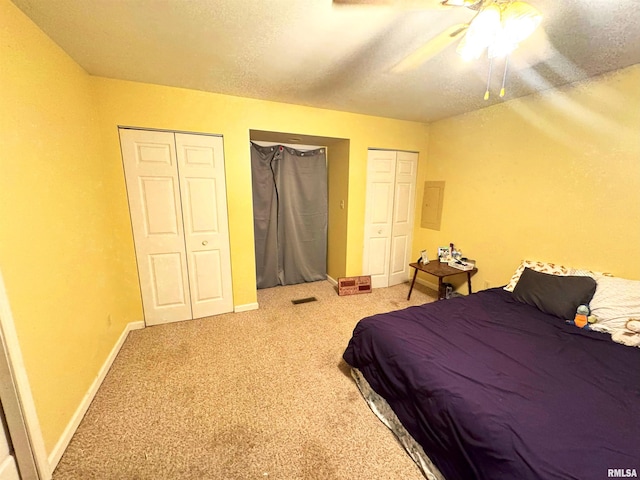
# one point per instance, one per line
(440, 270)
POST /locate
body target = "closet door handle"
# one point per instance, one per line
(205, 243)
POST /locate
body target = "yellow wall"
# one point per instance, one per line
(552, 177)
(152, 106)
(338, 191)
(59, 259)
(66, 248)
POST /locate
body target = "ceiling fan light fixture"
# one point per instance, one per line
(460, 3)
(502, 45)
(481, 33)
(499, 28)
(519, 21)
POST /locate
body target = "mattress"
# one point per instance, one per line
(381, 408)
(491, 388)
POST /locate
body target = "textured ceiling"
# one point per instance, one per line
(311, 52)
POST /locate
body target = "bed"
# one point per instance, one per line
(490, 387)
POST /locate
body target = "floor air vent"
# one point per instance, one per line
(304, 300)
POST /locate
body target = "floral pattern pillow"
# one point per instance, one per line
(543, 267)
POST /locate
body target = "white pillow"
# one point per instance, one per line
(550, 268)
(616, 300)
(581, 272)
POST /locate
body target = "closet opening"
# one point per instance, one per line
(336, 178)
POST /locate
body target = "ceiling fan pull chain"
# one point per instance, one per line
(486, 94)
(504, 76)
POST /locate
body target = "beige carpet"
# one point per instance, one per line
(253, 395)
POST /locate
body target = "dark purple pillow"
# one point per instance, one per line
(554, 294)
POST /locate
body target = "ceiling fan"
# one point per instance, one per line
(498, 27)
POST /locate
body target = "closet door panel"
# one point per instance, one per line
(204, 210)
(158, 205)
(381, 166)
(398, 260)
(378, 256)
(403, 213)
(164, 268)
(201, 193)
(154, 203)
(389, 212)
(207, 264)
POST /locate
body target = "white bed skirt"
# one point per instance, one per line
(383, 411)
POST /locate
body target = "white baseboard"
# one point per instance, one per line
(63, 442)
(332, 281)
(246, 307)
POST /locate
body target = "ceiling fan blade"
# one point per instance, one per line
(421, 4)
(430, 49)
(472, 4)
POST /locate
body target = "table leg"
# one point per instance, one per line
(469, 281)
(440, 292)
(415, 274)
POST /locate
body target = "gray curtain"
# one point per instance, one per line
(290, 214)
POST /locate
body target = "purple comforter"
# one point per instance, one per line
(496, 389)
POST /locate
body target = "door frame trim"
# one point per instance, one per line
(187, 132)
(17, 400)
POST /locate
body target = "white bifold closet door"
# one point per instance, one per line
(177, 200)
(389, 211)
